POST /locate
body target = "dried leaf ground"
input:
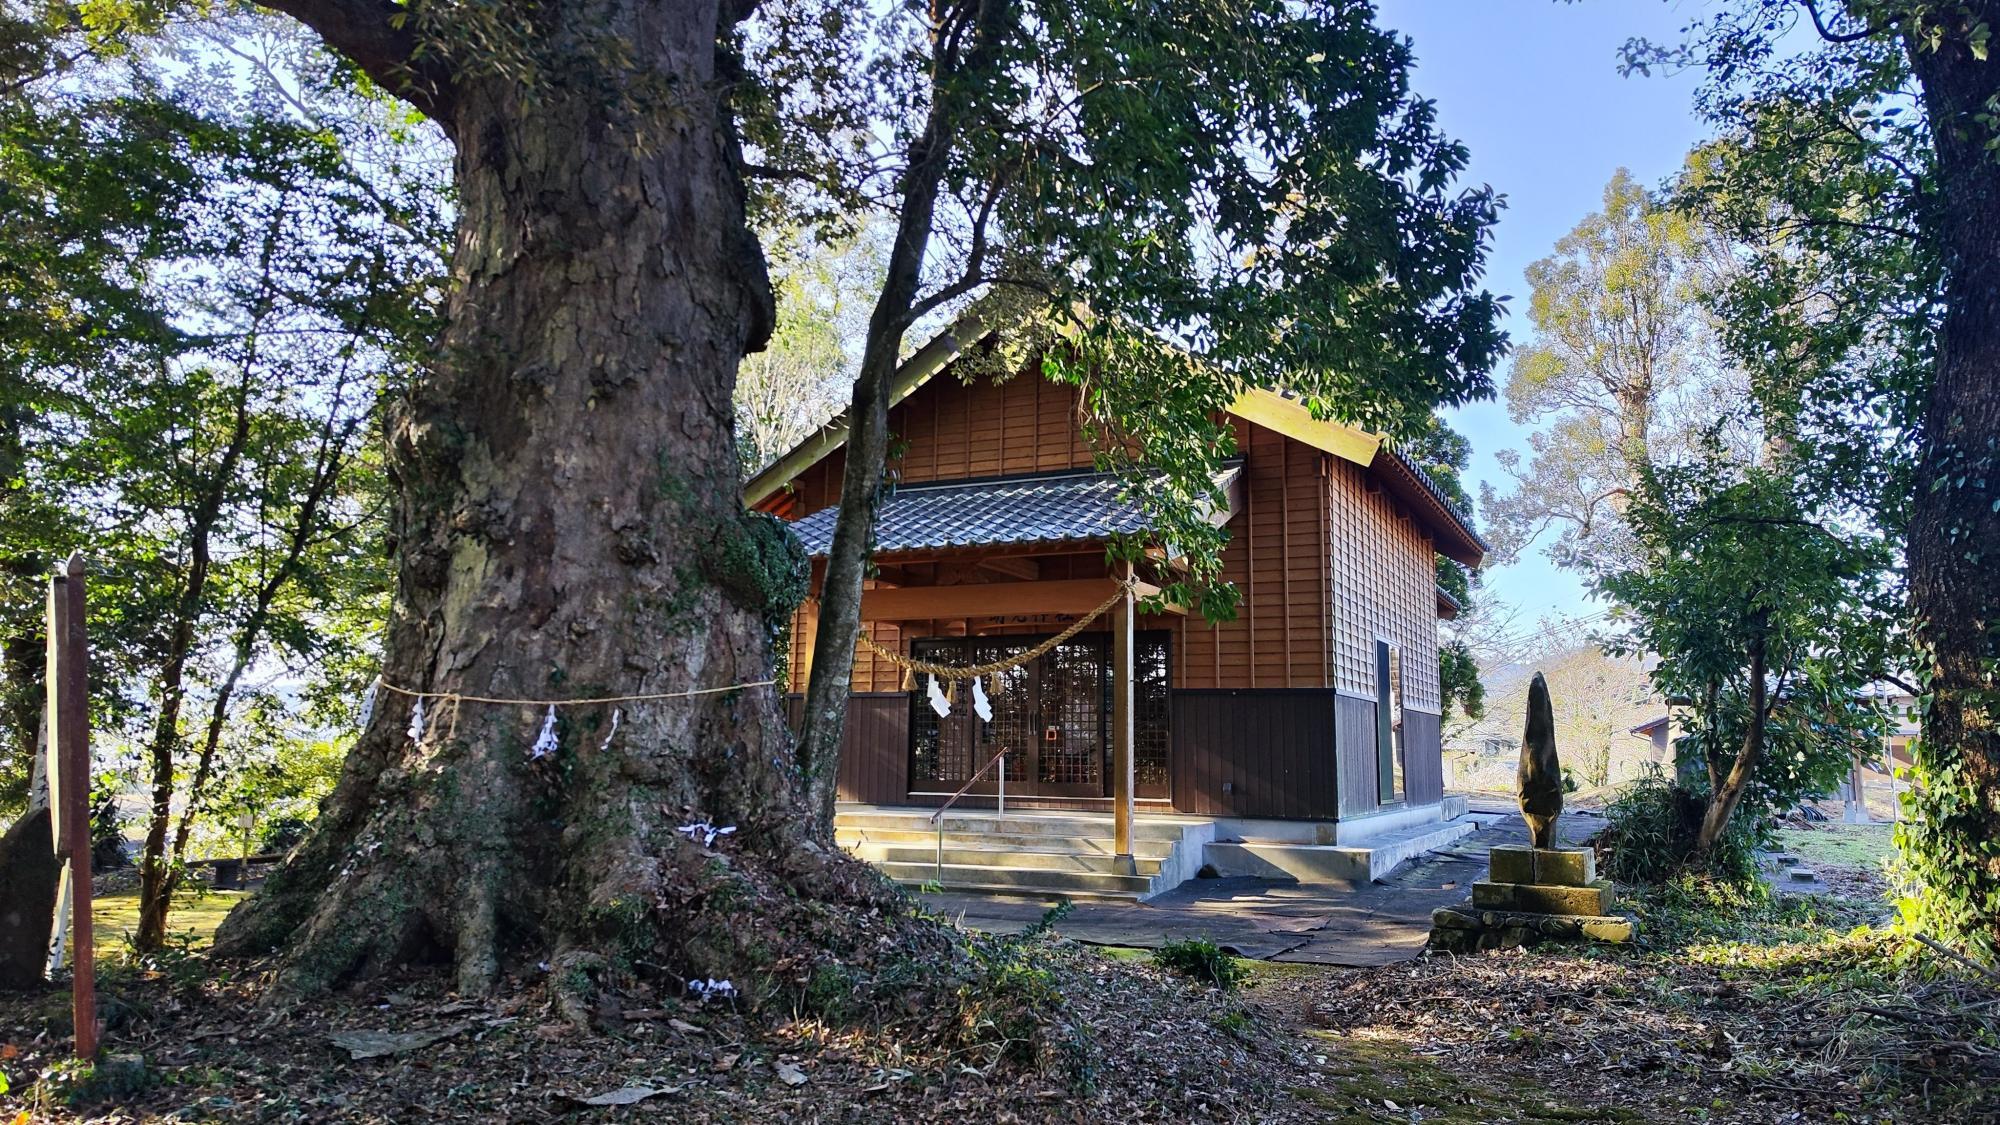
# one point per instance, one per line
(1737, 1012)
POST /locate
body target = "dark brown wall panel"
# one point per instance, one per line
(875, 754)
(1272, 747)
(1423, 757)
(1354, 739)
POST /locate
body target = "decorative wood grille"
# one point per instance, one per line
(1053, 713)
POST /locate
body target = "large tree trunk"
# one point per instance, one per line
(1954, 544)
(571, 526)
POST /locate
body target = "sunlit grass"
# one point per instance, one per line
(195, 914)
(1841, 845)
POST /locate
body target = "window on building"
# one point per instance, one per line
(1389, 721)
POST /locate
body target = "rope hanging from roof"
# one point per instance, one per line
(954, 672)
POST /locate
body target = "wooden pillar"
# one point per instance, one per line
(69, 786)
(1122, 726)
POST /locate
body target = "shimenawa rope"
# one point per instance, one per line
(974, 671)
(593, 701)
(941, 671)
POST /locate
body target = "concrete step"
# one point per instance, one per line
(1036, 854)
(1024, 824)
(1362, 862)
(851, 838)
(1018, 879)
(896, 855)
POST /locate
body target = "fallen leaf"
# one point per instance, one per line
(8, 1051)
(624, 1095)
(728, 1061)
(684, 1026)
(375, 1044)
(791, 1075)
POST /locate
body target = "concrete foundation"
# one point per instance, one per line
(1532, 895)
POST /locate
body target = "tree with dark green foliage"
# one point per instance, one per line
(1857, 161)
(242, 296)
(1178, 202)
(1769, 617)
(1443, 454)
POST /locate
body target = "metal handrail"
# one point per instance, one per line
(937, 869)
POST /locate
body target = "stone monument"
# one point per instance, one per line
(1539, 890)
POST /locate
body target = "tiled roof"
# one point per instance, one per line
(1056, 508)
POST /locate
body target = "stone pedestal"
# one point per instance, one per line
(1532, 895)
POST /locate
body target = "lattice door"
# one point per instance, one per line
(941, 752)
(1150, 742)
(1073, 705)
(1013, 724)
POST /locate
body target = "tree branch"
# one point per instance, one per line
(1819, 25)
(372, 35)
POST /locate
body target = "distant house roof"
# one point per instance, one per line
(1650, 725)
(1448, 607)
(1280, 412)
(1052, 508)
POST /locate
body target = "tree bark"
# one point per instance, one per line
(868, 412)
(1955, 522)
(1724, 798)
(570, 525)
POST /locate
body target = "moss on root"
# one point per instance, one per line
(1366, 1077)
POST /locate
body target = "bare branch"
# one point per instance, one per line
(373, 36)
(1819, 25)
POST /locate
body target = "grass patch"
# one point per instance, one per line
(195, 915)
(1697, 910)
(1840, 845)
(1202, 960)
(195, 912)
(1131, 954)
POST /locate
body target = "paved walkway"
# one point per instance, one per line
(1272, 920)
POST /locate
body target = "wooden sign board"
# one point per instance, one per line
(56, 681)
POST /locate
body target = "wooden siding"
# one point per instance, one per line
(1354, 746)
(1277, 557)
(1274, 747)
(1276, 554)
(1384, 574)
(1423, 758)
(875, 751)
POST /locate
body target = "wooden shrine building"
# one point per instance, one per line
(1318, 702)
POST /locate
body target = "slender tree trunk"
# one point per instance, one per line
(861, 484)
(306, 525)
(155, 881)
(570, 525)
(1954, 542)
(1722, 801)
(868, 413)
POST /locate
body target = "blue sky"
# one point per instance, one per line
(1532, 88)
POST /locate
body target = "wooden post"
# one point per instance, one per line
(1857, 794)
(69, 785)
(1121, 727)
